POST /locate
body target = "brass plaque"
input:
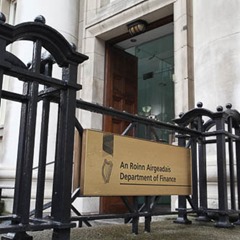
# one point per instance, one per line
(114, 165)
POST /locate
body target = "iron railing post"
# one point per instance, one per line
(237, 148)
(61, 199)
(43, 149)
(231, 165)
(148, 219)
(182, 200)
(202, 175)
(223, 220)
(135, 219)
(194, 173)
(2, 50)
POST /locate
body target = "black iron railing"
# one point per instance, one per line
(34, 76)
(196, 129)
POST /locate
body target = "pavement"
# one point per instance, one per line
(161, 229)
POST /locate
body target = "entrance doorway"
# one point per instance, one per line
(139, 80)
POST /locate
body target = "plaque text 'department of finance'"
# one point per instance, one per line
(114, 165)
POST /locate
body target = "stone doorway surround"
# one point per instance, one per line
(99, 24)
(101, 21)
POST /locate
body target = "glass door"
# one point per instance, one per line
(155, 82)
(156, 89)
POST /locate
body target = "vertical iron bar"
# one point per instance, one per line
(135, 220)
(148, 132)
(2, 51)
(237, 132)
(62, 181)
(26, 144)
(148, 218)
(231, 166)
(61, 234)
(43, 150)
(194, 173)
(30, 137)
(137, 129)
(202, 176)
(20, 153)
(1, 84)
(223, 220)
(182, 201)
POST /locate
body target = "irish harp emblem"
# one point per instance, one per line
(108, 152)
(107, 170)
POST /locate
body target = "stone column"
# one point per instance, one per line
(183, 56)
(183, 62)
(217, 52)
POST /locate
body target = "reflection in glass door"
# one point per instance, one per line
(155, 83)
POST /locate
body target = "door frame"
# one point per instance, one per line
(108, 83)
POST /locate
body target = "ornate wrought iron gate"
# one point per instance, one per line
(193, 130)
(62, 91)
